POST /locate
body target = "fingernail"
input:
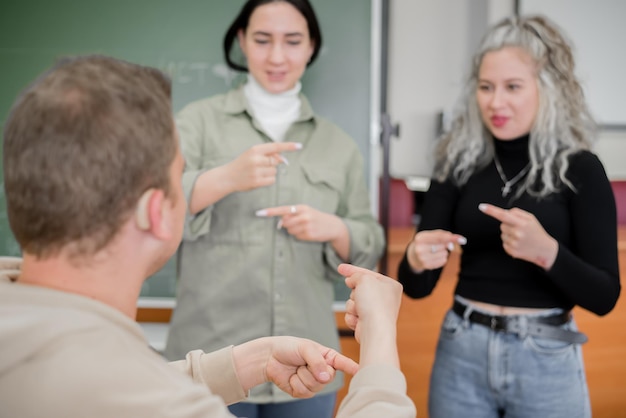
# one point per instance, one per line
(279, 224)
(462, 240)
(283, 159)
(482, 207)
(324, 376)
(261, 212)
(298, 145)
(450, 246)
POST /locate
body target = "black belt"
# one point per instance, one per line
(541, 326)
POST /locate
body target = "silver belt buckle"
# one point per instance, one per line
(499, 323)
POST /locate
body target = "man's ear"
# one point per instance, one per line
(142, 212)
(152, 214)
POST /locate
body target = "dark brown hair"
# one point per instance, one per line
(243, 18)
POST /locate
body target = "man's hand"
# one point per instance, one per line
(298, 366)
(372, 312)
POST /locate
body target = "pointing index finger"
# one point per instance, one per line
(495, 212)
(278, 147)
(348, 269)
(275, 211)
(353, 274)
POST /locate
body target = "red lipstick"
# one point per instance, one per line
(499, 121)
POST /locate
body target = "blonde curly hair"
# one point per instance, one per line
(563, 125)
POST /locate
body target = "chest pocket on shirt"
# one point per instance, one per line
(325, 186)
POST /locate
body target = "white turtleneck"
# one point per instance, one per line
(274, 112)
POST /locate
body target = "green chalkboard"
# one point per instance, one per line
(184, 38)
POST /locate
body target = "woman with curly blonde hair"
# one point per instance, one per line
(517, 185)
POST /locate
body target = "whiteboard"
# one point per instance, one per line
(597, 30)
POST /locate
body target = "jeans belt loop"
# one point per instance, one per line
(522, 324)
(466, 316)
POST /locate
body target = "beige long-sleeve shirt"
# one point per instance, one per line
(239, 276)
(64, 355)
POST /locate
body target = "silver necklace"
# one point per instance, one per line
(508, 184)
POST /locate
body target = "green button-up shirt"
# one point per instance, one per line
(239, 276)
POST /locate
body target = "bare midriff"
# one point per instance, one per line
(504, 310)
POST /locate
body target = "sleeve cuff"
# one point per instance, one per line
(216, 370)
(379, 376)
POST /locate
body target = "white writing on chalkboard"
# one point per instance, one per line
(184, 72)
(197, 72)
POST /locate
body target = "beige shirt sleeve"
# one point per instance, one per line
(215, 370)
(377, 391)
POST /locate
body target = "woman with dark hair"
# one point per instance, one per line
(517, 185)
(277, 200)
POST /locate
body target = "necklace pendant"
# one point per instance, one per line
(508, 184)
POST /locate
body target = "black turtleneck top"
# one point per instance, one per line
(585, 271)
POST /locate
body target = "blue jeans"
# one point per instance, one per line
(321, 406)
(487, 374)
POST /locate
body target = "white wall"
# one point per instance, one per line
(596, 29)
(431, 43)
(426, 57)
(611, 149)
